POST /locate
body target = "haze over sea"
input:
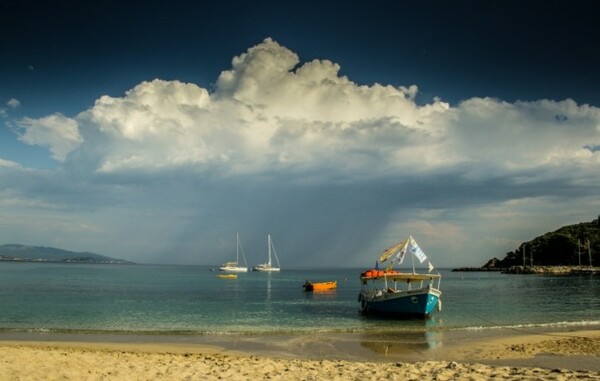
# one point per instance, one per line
(191, 300)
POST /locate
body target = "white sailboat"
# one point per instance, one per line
(235, 267)
(268, 267)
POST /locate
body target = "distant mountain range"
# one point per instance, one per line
(23, 253)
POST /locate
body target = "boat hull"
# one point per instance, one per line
(234, 269)
(227, 276)
(417, 303)
(265, 267)
(323, 286)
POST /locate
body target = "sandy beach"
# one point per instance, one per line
(575, 355)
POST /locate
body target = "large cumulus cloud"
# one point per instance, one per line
(272, 112)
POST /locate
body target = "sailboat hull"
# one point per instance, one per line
(234, 269)
(265, 269)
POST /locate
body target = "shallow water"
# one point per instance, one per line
(191, 300)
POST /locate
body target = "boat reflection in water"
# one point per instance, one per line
(409, 345)
(322, 295)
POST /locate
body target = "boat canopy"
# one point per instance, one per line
(387, 253)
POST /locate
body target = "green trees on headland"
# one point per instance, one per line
(571, 245)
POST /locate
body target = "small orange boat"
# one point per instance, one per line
(321, 286)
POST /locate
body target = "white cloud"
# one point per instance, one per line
(13, 103)
(269, 113)
(524, 135)
(9, 164)
(11, 201)
(264, 79)
(59, 133)
(264, 116)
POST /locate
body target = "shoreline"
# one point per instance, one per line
(536, 269)
(545, 354)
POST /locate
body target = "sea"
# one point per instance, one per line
(193, 301)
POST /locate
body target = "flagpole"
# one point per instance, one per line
(412, 257)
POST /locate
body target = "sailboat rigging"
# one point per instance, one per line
(235, 266)
(268, 267)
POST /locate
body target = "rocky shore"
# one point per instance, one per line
(565, 270)
(477, 269)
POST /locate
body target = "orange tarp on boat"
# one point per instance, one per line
(375, 273)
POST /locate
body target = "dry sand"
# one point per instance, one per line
(470, 360)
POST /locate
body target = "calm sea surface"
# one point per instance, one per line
(188, 300)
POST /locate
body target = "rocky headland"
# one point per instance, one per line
(572, 249)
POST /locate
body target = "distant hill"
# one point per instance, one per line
(22, 253)
(567, 246)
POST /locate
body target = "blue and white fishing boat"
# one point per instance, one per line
(400, 294)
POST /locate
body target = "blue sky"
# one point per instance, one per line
(154, 131)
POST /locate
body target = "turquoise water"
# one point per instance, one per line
(38, 297)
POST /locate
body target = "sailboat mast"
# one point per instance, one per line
(269, 244)
(237, 248)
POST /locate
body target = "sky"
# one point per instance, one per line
(154, 131)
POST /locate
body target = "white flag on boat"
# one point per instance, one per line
(416, 250)
(430, 266)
